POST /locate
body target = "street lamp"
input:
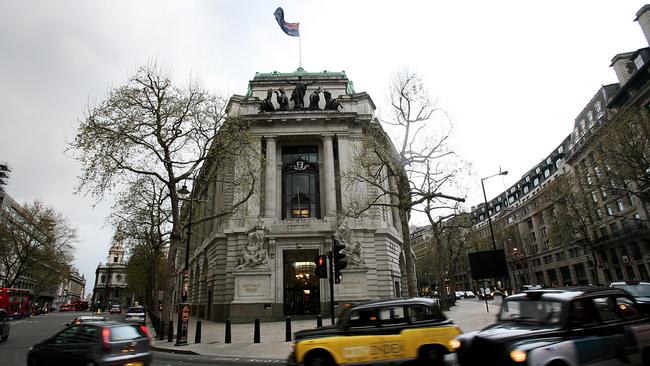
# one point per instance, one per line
(494, 243)
(487, 208)
(183, 307)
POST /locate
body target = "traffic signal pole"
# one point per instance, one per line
(331, 278)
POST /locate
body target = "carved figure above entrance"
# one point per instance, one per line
(298, 93)
(331, 104)
(282, 99)
(314, 98)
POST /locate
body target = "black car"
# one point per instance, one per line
(4, 326)
(101, 343)
(639, 290)
(577, 326)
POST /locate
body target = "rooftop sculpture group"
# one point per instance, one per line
(298, 98)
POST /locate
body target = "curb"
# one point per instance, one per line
(178, 351)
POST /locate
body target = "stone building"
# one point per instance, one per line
(259, 262)
(111, 287)
(524, 217)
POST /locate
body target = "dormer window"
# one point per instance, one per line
(598, 106)
(115, 259)
(638, 62)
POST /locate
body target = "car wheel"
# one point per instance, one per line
(319, 359)
(431, 355)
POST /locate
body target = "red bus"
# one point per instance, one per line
(15, 302)
(80, 305)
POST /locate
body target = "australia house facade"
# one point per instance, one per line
(259, 261)
(524, 216)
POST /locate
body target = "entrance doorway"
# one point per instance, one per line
(301, 288)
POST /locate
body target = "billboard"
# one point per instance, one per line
(488, 264)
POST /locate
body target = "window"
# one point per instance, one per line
(510, 219)
(598, 106)
(627, 309)
(547, 172)
(621, 206)
(590, 117)
(392, 315)
(536, 182)
(529, 223)
(609, 209)
(125, 333)
(103, 278)
(525, 189)
(537, 170)
(582, 126)
(638, 62)
(582, 314)
(363, 318)
(594, 196)
(606, 309)
(300, 182)
(115, 259)
(419, 313)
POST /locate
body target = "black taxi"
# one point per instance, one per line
(377, 332)
(573, 326)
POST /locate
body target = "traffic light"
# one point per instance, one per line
(340, 262)
(321, 266)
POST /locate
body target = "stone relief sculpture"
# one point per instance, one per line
(331, 104)
(353, 249)
(282, 99)
(255, 254)
(267, 104)
(314, 98)
(298, 93)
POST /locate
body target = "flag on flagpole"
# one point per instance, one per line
(291, 29)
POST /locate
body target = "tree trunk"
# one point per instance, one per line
(408, 254)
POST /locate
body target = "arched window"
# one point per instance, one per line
(103, 278)
(118, 278)
(300, 182)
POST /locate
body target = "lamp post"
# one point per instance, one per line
(184, 307)
(487, 209)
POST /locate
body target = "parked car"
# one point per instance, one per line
(135, 314)
(459, 294)
(86, 319)
(115, 309)
(4, 325)
(485, 294)
(576, 326)
(469, 295)
(98, 343)
(378, 332)
(639, 290)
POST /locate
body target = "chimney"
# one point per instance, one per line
(643, 17)
(623, 67)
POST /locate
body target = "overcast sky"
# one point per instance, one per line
(513, 75)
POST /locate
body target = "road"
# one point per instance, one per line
(27, 332)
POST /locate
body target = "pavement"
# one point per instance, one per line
(468, 314)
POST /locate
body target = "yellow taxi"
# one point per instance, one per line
(379, 332)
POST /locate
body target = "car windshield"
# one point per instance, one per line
(636, 290)
(532, 311)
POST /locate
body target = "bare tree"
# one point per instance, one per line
(149, 127)
(407, 170)
(143, 216)
(621, 155)
(38, 243)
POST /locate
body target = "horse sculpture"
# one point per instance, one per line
(331, 104)
(283, 101)
(314, 99)
(267, 104)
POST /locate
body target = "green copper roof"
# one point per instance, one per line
(301, 72)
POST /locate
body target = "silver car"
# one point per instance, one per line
(135, 314)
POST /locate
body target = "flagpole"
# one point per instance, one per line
(299, 52)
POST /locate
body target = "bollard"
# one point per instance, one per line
(256, 334)
(161, 330)
(197, 335)
(170, 331)
(319, 321)
(287, 337)
(228, 331)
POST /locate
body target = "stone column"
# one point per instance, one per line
(270, 186)
(328, 170)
